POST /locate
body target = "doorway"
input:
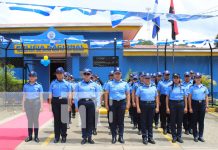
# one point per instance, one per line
(53, 66)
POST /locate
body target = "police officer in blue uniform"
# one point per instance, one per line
(146, 101)
(198, 105)
(73, 84)
(157, 114)
(119, 101)
(162, 88)
(60, 99)
(176, 105)
(32, 104)
(136, 115)
(87, 100)
(192, 75)
(187, 117)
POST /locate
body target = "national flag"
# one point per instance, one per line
(175, 30)
(156, 21)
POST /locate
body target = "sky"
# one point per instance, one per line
(191, 30)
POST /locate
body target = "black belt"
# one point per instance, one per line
(198, 101)
(56, 98)
(118, 100)
(86, 99)
(147, 102)
(176, 101)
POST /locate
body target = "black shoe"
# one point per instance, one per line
(201, 139)
(28, 139)
(36, 139)
(164, 131)
(84, 141)
(190, 131)
(139, 132)
(174, 140)
(90, 141)
(151, 141)
(180, 140)
(63, 140)
(95, 132)
(169, 131)
(196, 139)
(56, 140)
(145, 141)
(114, 140)
(121, 140)
(156, 126)
(186, 132)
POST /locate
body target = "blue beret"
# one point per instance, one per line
(176, 75)
(60, 70)
(186, 74)
(166, 72)
(147, 75)
(117, 69)
(33, 73)
(135, 77)
(111, 72)
(192, 72)
(159, 74)
(153, 75)
(87, 70)
(141, 74)
(198, 75)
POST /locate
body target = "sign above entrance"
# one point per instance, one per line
(52, 42)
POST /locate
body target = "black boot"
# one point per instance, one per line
(90, 141)
(84, 141)
(121, 140)
(114, 140)
(28, 139)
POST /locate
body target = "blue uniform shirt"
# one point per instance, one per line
(60, 88)
(147, 92)
(163, 86)
(187, 85)
(32, 91)
(89, 90)
(178, 92)
(117, 89)
(198, 92)
(136, 85)
(73, 85)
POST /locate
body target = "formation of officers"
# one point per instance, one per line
(148, 97)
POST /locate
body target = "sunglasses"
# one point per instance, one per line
(87, 74)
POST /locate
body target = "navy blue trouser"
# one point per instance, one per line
(187, 123)
(32, 108)
(164, 117)
(117, 112)
(176, 117)
(198, 115)
(147, 116)
(87, 115)
(156, 118)
(61, 118)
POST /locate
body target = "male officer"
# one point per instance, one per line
(162, 90)
(136, 115)
(32, 103)
(60, 99)
(73, 84)
(146, 97)
(119, 101)
(157, 114)
(86, 97)
(187, 117)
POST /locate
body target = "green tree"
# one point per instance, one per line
(145, 42)
(14, 84)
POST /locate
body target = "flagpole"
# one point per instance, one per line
(157, 54)
(165, 55)
(173, 56)
(211, 71)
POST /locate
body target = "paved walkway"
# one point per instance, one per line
(133, 141)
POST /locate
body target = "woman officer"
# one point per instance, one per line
(198, 105)
(176, 105)
(146, 96)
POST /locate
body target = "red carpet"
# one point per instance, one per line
(13, 132)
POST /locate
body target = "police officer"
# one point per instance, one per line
(176, 105)
(136, 115)
(87, 97)
(111, 77)
(192, 76)
(157, 114)
(146, 96)
(32, 103)
(119, 101)
(162, 88)
(198, 105)
(187, 117)
(60, 99)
